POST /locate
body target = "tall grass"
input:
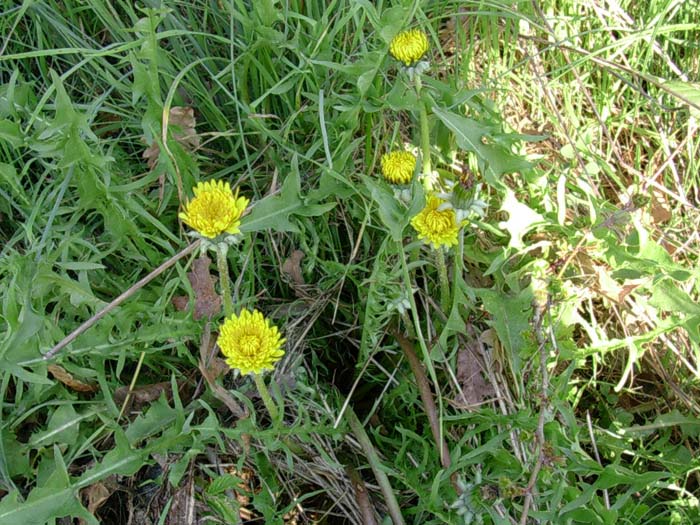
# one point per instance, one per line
(561, 364)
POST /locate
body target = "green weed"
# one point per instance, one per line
(541, 368)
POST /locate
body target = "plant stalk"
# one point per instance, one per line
(266, 397)
(376, 465)
(424, 138)
(444, 282)
(222, 265)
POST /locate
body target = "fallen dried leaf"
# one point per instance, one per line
(95, 495)
(206, 301)
(60, 374)
(474, 388)
(292, 267)
(182, 124)
(141, 396)
(180, 302)
(660, 208)
(182, 510)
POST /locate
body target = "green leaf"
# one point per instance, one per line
(686, 92)
(510, 317)
(275, 211)
(392, 21)
(392, 212)
(9, 177)
(665, 295)
(14, 455)
(56, 498)
(63, 427)
(11, 133)
(365, 69)
(222, 483)
(495, 158)
(689, 425)
(614, 475)
(160, 415)
(123, 460)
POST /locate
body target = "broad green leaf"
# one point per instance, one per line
(665, 295)
(275, 211)
(394, 214)
(686, 92)
(221, 484)
(11, 133)
(160, 415)
(10, 178)
(63, 427)
(614, 475)
(510, 317)
(56, 498)
(392, 21)
(14, 455)
(495, 159)
(123, 460)
(365, 69)
(689, 425)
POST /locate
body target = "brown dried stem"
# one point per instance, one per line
(426, 396)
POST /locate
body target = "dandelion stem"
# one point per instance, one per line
(424, 137)
(408, 284)
(376, 465)
(407, 321)
(222, 264)
(444, 281)
(266, 397)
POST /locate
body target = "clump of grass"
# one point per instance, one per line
(543, 367)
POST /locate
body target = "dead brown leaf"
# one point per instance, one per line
(474, 388)
(660, 208)
(141, 396)
(206, 301)
(95, 495)
(98, 493)
(181, 123)
(180, 302)
(292, 267)
(182, 510)
(60, 374)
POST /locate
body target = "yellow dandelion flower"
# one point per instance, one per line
(409, 46)
(215, 209)
(438, 228)
(398, 166)
(250, 343)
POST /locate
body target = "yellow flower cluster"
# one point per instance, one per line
(409, 46)
(436, 227)
(398, 166)
(250, 343)
(215, 209)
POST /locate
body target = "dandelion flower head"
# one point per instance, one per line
(435, 227)
(409, 46)
(250, 343)
(398, 166)
(215, 209)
